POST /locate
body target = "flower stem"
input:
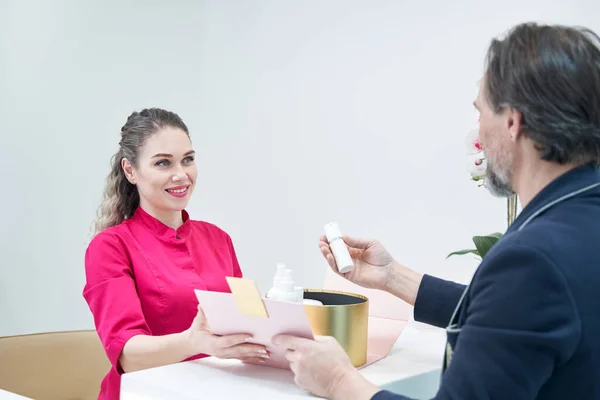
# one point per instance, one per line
(511, 209)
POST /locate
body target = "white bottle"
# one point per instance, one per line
(286, 288)
(311, 302)
(338, 248)
(274, 292)
(300, 298)
(299, 290)
(283, 286)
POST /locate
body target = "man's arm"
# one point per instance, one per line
(434, 299)
(521, 322)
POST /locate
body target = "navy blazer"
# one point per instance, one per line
(528, 324)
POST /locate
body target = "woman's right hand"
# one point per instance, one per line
(229, 346)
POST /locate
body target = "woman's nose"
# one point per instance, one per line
(178, 174)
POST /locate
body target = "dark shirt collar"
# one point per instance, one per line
(571, 181)
(161, 230)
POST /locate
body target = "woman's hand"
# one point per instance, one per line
(230, 346)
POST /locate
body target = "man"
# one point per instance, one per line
(528, 325)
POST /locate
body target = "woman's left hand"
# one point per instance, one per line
(229, 346)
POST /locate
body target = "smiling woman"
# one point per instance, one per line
(148, 256)
(164, 173)
(155, 156)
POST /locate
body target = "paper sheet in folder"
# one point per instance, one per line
(244, 311)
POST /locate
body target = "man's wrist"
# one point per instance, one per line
(352, 386)
(403, 282)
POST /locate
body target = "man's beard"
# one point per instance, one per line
(498, 180)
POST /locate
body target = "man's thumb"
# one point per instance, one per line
(357, 243)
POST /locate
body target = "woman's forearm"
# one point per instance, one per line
(143, 351)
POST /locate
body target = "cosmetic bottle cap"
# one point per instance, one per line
(332, 231)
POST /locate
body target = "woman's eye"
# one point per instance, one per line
(162, 163)
(188, 159)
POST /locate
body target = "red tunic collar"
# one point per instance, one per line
(161, 230)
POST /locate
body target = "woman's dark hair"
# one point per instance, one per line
(551, 74)
(121, 198)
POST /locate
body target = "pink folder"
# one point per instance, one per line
(224, 318)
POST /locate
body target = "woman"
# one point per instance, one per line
(148, 256)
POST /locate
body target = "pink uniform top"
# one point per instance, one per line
(141, 276)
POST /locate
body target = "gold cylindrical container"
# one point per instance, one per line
(345, 316)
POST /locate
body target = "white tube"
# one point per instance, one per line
(338, 248)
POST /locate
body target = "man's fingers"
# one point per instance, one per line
(355, 253)
(294, 369)
(326, 252)
(357, 243)
(355, 248)
(292, 355)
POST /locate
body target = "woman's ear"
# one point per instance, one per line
(128, 170)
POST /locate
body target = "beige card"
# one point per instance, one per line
(247, 297)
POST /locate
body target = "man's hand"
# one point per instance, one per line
(372, 262)
(374, 267)
(323, 368)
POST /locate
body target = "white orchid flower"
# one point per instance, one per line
(473, 144)
(477, 166)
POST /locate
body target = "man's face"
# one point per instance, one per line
(494, 136)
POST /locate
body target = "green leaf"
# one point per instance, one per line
(462, 252)
(485, 243)
(496, 235)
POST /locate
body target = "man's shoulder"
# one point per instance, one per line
(565, 238)
(514, 256)
(552, 248)
(574, 222)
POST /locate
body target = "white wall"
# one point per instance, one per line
(302, 112)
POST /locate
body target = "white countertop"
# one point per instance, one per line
(4, 395)
(419, 349)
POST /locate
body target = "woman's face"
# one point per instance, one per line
(166, 172)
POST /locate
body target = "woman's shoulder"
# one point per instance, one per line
(112, 237)
(210, 229)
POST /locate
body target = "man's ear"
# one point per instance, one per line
(514, 121)
(128, 170)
